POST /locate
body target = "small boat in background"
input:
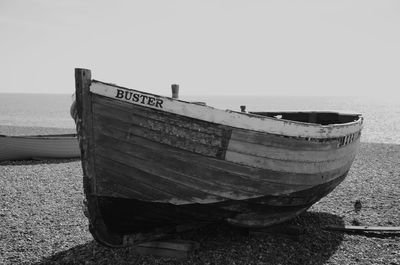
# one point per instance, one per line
(152, 163)
(39, 147)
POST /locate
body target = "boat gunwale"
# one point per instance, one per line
(317, 126)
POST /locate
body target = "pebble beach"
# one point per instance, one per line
(42, 222)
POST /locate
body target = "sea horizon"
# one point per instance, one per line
(381, 114)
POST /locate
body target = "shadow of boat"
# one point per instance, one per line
(223, 244)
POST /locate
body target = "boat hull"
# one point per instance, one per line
(149, 156)
(127, 216)
(146, 167)
(39, 147)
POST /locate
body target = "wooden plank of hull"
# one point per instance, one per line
(165, 186)
(173, 119)
(182, 138)
(280, 141)
(302, 197)
(124, 130)
(176, 168)
(289, 166)
(210, 140)
(291, 153)
(219, 179)
(262, 150)
(210, 181)
(192, 135)
(286, 207)
(130, 216)
(195, 175)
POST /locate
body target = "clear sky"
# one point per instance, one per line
(210, 47)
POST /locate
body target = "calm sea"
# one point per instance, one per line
(382, 115)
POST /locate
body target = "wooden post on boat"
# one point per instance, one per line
(243, 108)
(84, 125)
(175, 91)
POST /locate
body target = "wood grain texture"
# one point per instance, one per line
(181, 168)
(160, 162)
(209, 175)
(84, 125)
(291, 155)
(173, 130)
(230, 118)
(130, 216)
(174, 172)
(289, 166)
(288, 143)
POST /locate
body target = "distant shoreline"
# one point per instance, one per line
(381, 122)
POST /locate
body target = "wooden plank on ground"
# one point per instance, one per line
(174, 248)
(351, 228)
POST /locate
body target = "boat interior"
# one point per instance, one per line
(323, 118)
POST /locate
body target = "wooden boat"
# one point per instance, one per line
(154, 163)
(39, 147)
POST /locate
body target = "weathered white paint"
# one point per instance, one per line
(289, 166)
(227, 117)
(292, 154)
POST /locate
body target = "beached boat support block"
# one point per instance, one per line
(174, 248)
